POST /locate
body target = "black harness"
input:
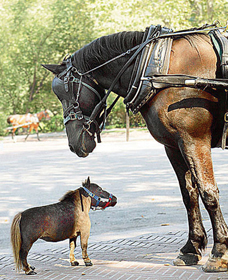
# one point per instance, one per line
(66, 79)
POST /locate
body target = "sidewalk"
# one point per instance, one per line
(147, 256)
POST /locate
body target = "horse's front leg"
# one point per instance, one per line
(28, 133)
(84, 245)
(13, 134)
(190, 254)
(36, 127)
(198, 156)
(73, 261)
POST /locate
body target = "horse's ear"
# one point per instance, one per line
(54, 68)
(88, 181)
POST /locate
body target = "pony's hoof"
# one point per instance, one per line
(31, 272)
(32, 267)
(215, 265)
(186, 259)
(74, 263)
(88, 263)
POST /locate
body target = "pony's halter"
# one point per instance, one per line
(98, 200)
(71, 110)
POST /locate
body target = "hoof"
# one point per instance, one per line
(215, 265)
(74, 263)
(32, 267)
(88, 263)
(31, 272)
(187, 259)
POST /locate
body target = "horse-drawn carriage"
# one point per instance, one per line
(29, 121)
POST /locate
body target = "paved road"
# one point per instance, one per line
(36, 173)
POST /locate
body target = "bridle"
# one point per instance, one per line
(71, 108)
(98, 199)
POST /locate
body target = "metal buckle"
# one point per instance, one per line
(226, 117)
(73, 116)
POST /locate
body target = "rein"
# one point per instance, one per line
(154, 36)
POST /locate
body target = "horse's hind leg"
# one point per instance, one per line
(73, 261)
(190, 254)
(198, 156)
(29, 270)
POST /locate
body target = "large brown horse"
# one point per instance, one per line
(30, 121)
(187, 121)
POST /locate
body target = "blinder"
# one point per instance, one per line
(63, 85)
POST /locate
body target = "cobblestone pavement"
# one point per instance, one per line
(147, 256)
(147, 253)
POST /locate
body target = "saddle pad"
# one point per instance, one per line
(157, 63)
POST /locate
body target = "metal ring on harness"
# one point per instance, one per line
(86, 127)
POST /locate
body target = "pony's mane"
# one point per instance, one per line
(104, 48)
(70, 195)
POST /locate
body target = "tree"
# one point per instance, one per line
(36, 32)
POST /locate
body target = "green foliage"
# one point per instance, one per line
(117, 117)
(35, 32)
(55, 124)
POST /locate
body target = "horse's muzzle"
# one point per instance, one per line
(86, 146)
(79, 153)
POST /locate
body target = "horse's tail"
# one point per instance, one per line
(16, 240)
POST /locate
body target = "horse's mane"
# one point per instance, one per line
(104, 48)
(70, 195)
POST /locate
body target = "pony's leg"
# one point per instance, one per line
(84, 244)
(29, 270)
(190, 253)
(198, 156)
(73, 261)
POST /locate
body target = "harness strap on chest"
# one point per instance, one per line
(152, 32)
